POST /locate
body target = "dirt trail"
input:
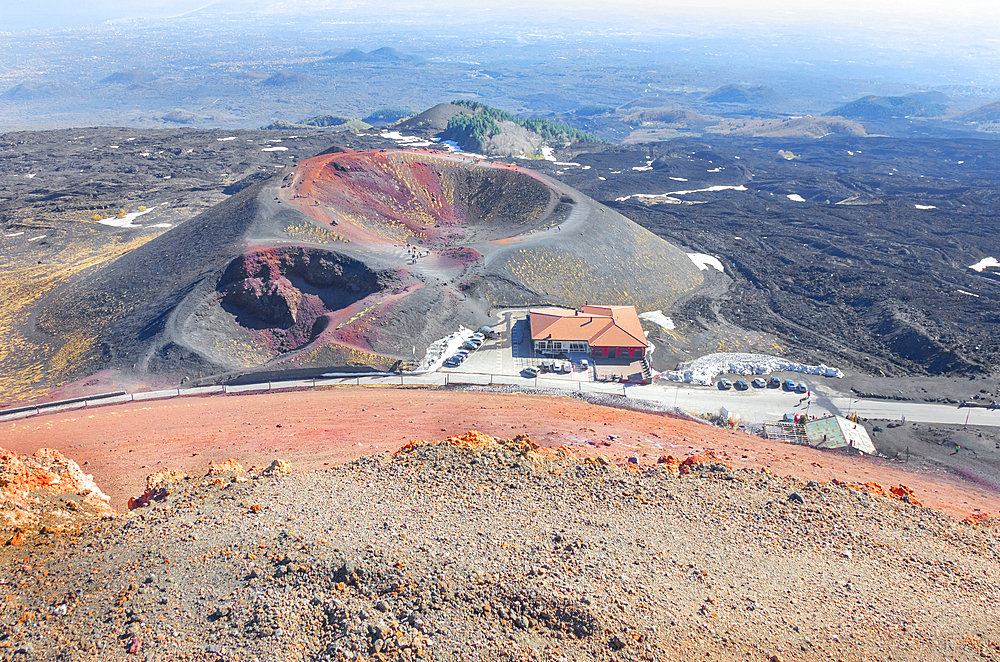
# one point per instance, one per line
(313, 429)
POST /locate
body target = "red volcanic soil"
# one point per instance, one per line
(312, 429)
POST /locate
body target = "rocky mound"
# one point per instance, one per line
(46, 489)
(127, 77)
(433, 120)
(384, 55)
(487, 549)
(32, 90)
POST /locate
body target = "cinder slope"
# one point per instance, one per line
(359, 258)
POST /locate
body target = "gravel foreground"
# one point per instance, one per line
(483, 549)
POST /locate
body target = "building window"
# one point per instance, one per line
(631, 351)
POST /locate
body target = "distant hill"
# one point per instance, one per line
(880, 108)
(378, 56)
(336, 122)
(433, 120)
(127, 77)
(388, 115)
(29, 91)
(809, 128)
(673, 116)
(931, 97)
(286, 79)
(481, 128)
(181, 116)
(988, 113)
(743, 94)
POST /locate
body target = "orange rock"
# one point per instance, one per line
(977, 518)
(903, 493)
(228, 466)
(278, 466)
(875, 488)
(47, 471)
(15, 539)
(694, 460)
(670, 464)
(157, 487)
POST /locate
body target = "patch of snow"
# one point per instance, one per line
(850, 152)
(567, 163)
(547, 153)
(616, 172)
(113, 146)
(15, 234)
(969, 293)
(925, 206)
(41, 236)
(439, 350)
(31, 175)
(984, 263)
(703, 370)
(275, 149)
(795, 197)
(657, 317)
(124, 222)
(714, 170)
(710, 189)
(160, 225)
(703, 261)
(642, 168)
(223, 140)
(603, 179)
(961, 162)
(678, 179)
(146, 154)
(167, 176)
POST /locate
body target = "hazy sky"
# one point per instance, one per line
(917, 14)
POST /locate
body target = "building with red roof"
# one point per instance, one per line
(600, 331)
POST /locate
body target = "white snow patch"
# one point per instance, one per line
(567, 163)
(984, 263)
(160, 225)
(925, 206)
(31, 175)
(710, 189)
(969, 293)
(703, 370)
(642, 168)
(223, 140)
(126, 221)
(678, 179)
(439, 350)
(547, 153)
(850, 152)
(41, 236)
(657, 317)
(275, 149)
(603, 179)
(146, 154)
(714, 170)
(795, 197)
(113, 146)
(15, 234)
(703, 261)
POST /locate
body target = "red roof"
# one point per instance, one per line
(600, 326)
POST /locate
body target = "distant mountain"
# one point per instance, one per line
(880, 108)
(29, 91)
(127, 77)
(286, 79)
(433, 119)
(336, 122)
(181, 116)
(673, 116)
(378, 56)
(388, 115)
(743, 94)
(931, 97)
(988, 113)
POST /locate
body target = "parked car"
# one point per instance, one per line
(452, 361)
(584, 363)
(773, 382)
(725, 384)
(487, 332)
(565, 366)
(470, 345)
(801, 388)
(759, 382)
(789, 385)
(478, 337)
(531, 371)
(741, 384)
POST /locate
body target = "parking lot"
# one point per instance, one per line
(501, 356)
